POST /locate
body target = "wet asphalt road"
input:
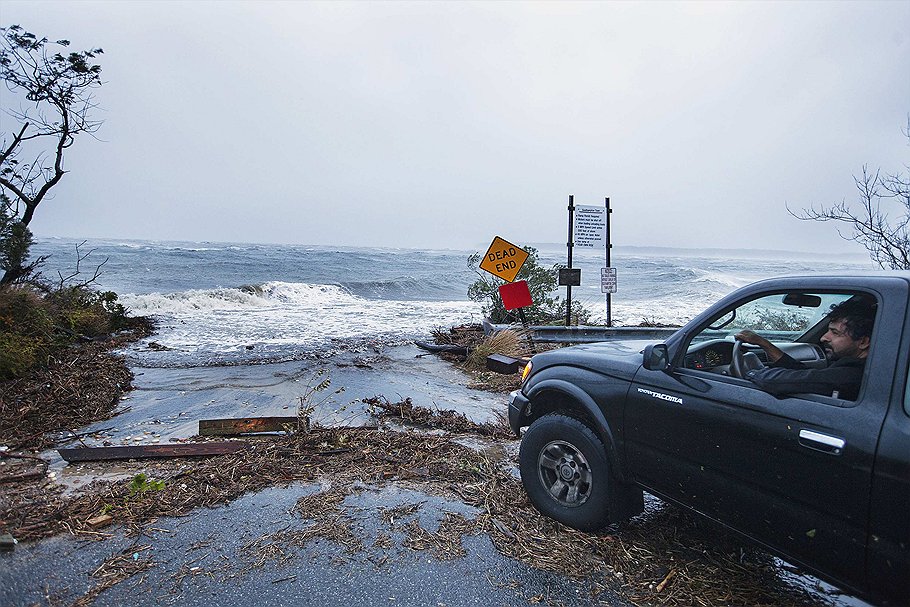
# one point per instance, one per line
(217, 543)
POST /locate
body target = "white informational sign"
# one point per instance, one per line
(608, 280)
(590, 227)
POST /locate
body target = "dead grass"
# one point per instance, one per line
(510, 342)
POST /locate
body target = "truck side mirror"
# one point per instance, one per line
(656, 357)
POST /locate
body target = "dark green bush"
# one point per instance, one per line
(35, 320)
(19, 353)
(25, 312)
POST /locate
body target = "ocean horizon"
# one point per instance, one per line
(238, 303)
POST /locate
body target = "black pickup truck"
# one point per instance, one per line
(821, 481)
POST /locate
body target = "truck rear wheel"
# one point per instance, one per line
(564, 469)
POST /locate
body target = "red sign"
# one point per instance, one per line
(515, 295)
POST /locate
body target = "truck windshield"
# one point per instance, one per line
(772, 318)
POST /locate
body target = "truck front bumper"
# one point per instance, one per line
(518, 406)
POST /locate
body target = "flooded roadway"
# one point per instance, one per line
(214, 557)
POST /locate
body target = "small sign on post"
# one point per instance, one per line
(608, 280)
(515, 295)
(569, 277)
(503, 259)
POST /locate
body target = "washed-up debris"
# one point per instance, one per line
(99, 521)
(466, 336)
(230, 427)
(116, 569)
(77, 388)
(23, 467)
(89, 454)
(632, 559)
(444, 419)
(447, 348)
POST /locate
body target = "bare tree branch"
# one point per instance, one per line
(879, 220)
(80, 257)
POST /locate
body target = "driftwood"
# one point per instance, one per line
(436, 348)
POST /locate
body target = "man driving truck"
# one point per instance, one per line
(846, 344)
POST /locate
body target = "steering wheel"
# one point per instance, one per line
(742, 361)
(737, 365)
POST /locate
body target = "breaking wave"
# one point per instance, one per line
(280, 320)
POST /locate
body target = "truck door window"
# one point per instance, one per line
(793, 321)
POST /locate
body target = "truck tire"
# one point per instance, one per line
(565, 471)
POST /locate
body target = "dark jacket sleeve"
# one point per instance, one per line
(788, 362)
(792, 377)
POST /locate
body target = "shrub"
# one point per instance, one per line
(25, 312)
(18, 354)
(548, 308)
(37, 319)
(91, 321)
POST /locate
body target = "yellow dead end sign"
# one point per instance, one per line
(503, 259)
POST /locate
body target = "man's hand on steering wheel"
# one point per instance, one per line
(751, 337)
(747, 336)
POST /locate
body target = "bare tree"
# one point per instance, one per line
(879, 220)
(53, 98)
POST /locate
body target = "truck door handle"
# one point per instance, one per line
(821, 442)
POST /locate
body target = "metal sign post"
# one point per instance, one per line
(608, 247)
(569, 244)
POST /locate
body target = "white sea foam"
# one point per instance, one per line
(278, 317)
(277, 295)
(722, 278)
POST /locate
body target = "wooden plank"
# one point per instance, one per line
(227, 427)
(90, 454)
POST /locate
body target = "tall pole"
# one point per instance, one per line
(570, 245)
(608, 247)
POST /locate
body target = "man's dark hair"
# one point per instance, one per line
(858, 315)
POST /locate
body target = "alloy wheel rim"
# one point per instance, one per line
(565, 473)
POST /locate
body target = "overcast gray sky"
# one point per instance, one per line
(440, 125)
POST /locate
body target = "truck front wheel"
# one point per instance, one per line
(564, 469)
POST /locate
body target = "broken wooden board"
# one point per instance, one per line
(90, 454)
(100, 521)
(228, 427)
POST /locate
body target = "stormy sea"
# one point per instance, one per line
(234, 303)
